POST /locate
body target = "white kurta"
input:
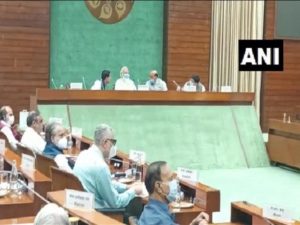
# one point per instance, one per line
(123, 84)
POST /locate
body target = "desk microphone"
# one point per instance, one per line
(177, 85)
(54, 85)
(83, 80)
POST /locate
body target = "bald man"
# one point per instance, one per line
(155, 83)
(7, 120)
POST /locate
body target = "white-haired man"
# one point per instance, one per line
(94, 174)
(124, 83)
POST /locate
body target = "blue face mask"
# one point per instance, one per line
(126, 75)
(173, 186)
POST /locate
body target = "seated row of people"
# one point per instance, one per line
(91, 168)
(153, 84)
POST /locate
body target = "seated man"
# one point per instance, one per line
(7, 120)
(51, 214)
(162, 189)
(94, 174)
(194, 81)
(124, 83)
(101, 84)
(155, 83)
(56, 142)
(32, 138)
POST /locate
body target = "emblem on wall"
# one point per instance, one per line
(109, 11)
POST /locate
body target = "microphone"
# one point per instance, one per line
(54, 85)
(83, 80)
(177, 85)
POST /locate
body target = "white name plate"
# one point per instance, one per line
(2, 146)
(137, 156)
(23, 119)
(276, 212)
(79, 200)
(27, 162)
(187, 174)
(75, 86)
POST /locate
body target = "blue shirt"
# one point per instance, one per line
(52, 150)
(156, 213)
(95, 177)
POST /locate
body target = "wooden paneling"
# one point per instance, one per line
(280, 90)
(187, 41)
(24, 51)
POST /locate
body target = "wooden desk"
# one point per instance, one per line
(250, 214)
(19, 220)
(16, 206)
(28, 204)
(284, 143)
(88, 97)
(206, 198)
(90, 217)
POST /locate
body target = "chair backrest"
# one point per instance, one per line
(63, 180)
(25, 150)
(43, 164)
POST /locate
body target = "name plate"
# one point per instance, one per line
(137, 156)
(187, 174)
(27, 162)
(79, 200)
(276, 212)
(2, 146)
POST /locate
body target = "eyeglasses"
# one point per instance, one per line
(113, 141)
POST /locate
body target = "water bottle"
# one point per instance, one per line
(13, 179)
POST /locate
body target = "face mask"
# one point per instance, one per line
(152, 81)
(126, 75)
(11, 119)
(173, 186)
(62, 143)
(112, 151)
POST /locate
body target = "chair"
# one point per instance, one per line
(63, 180)
(25, 150)
(43, 164)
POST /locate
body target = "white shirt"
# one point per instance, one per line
(62, 163)
(159, 85)
(124, 84)
(97, 85)
(32, 140)
(189, 83)
(6, 130)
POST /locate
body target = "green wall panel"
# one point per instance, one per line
(198, 137)
(81, 45)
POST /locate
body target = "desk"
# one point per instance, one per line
(51, 96)
(27, 204)
(250, 214)
(207, 199)
(90, 217)
(19, 220)
(284, 143)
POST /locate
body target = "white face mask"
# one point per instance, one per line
(126, 75)
(11, 119)
(112, 151)
(62, 143)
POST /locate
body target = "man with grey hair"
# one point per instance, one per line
(155, 83)
(32, 138)
(51, 214)
(94, 174)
